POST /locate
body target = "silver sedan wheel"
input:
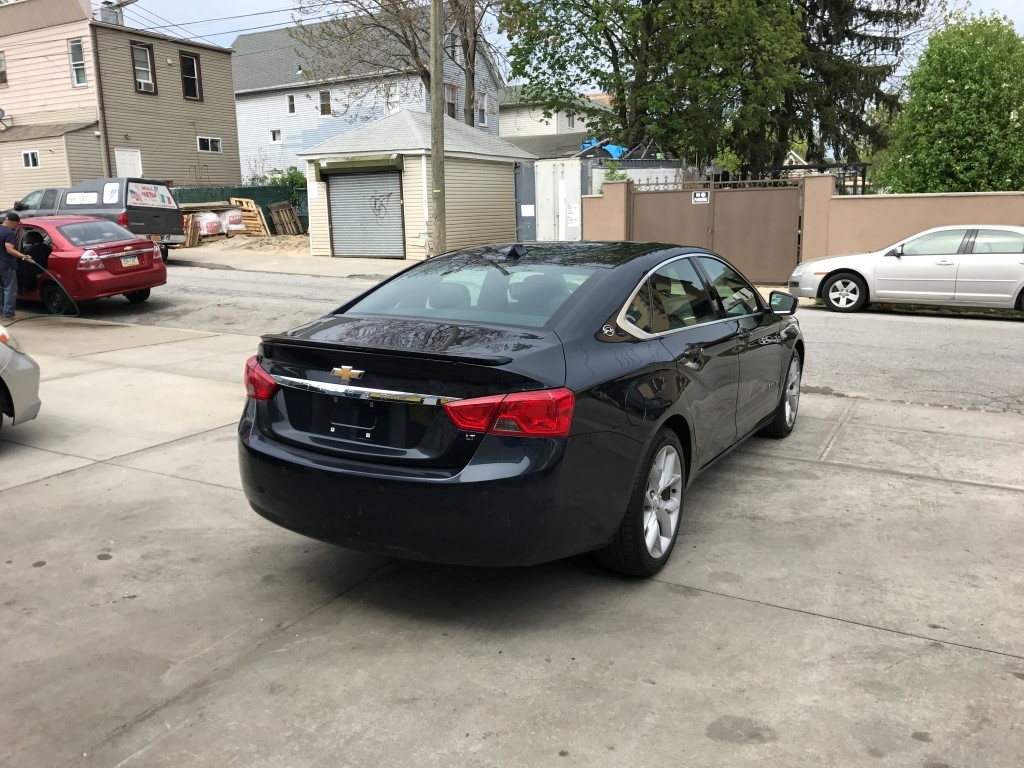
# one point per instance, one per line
(792, 393)
(844, 293)
(662, 501)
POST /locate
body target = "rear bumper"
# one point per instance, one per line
(102, 284)
(168, 239)
(21, 375)
(511, 505)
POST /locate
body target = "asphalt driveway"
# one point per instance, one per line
(851, 596)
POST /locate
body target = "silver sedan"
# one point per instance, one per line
(19, 382)
(968, 265)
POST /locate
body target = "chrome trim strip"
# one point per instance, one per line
(126, 253)
(643, 335)
(363, 393)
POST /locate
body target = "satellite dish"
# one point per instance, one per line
(2, 113)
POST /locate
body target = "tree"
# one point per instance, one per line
(680, 72)
(961, 127)
(365, 41)
(850, 51)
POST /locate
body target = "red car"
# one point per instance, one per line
(92, 258)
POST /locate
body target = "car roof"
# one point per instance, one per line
(603, 254)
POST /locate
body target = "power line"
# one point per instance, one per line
(228, 18)
(159, 18)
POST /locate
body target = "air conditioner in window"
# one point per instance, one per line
(143, 85)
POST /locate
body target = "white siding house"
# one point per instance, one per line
(281, 112)
(520, 117)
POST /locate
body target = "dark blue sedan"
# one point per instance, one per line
(510, 404)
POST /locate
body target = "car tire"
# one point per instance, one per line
(165, 254)
(641, 546)
(137, 297)
(845, 292)
(56, 301)
(789, 401)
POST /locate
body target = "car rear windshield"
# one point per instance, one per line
(89, 233)
(478, 291)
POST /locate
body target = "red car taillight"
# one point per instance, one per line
(259, 385)
(157, 253)
(122, 220)
(90, 261)
(544, 413)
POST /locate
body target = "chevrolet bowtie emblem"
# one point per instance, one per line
(347, 373)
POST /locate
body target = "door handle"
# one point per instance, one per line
(945, 263)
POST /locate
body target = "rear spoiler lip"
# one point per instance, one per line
(396, 351)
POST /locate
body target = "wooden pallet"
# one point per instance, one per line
(252, 216)
(286, 218)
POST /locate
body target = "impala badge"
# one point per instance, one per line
(347, 373)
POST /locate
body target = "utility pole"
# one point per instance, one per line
(438, 222)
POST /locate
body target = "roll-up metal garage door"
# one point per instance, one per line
(366, 215)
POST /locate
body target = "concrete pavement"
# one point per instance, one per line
(848, 597)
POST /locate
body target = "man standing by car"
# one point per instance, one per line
(8, 266)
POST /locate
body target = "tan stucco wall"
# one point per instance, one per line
(605, 215)
(871, 222)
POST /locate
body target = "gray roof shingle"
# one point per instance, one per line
(43, 130)
(409, 132)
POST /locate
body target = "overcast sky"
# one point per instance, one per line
(196, 16)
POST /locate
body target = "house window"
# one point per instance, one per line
(30, 159)
(275, 135)
(571, 121)
(451, 99)
(325, 103)
(208, 144)
(191, 77)
(453, 45)
(76, 55)
(3, 68)
(481, 110)
(291, 103)
(390, 98)
(142, 63)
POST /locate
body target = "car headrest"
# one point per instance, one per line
(449, 296)
(33, 238)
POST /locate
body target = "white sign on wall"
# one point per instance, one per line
(701, 197)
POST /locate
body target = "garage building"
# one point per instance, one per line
(369, 189)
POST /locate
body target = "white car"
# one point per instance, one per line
(971, 265)
(19, 381)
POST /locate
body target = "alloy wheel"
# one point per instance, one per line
(844, 293)
(792, 393)
(662, 501)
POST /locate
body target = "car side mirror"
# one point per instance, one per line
(897, 251)
(783, 303)
(20, 206)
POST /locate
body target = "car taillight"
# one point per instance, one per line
(544, 413)
(157, 253)
(89, 261)
(122, 220)
(259, 384)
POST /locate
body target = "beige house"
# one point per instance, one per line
(369, 189)
(84, 98)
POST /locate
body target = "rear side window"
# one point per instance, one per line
(679, 297)
(998, 241)
(738, 297)
(478, 291)
(86, 234)
(49, 199)
(142, 195)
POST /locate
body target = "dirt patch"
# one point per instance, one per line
(284, 244)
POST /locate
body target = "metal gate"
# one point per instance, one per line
(755, 225)
(366, 215)
(526, 203)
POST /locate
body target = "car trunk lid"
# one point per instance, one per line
(374, 389)
(125, 256)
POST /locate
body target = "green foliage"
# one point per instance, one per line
(613, 172)
(682, 73)
(292, 177)
(850, 50)
(961, 128)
